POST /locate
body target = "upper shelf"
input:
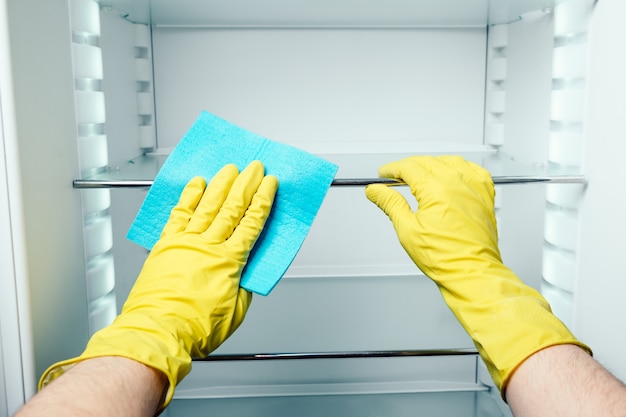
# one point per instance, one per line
(350, 13)
(354, 170)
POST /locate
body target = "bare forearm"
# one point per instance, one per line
(564, 380)
(100, 387)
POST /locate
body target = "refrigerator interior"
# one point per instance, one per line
(360, 85)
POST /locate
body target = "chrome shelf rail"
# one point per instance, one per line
(340, 182)
(338, 355)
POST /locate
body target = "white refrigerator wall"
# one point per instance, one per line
(38, 204)
(324, 87)
(50, 244)
(16, 359)
(600, 307)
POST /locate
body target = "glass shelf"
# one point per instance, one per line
(339, 384)
(436, 404)
(354, 170)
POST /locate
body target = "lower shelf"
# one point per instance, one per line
(434, 404)
(436, 383)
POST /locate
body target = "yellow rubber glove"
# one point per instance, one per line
(187, 300)
(452, 238)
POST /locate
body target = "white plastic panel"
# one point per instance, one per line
(527, 87)
(90, 107)
(601, 284)
(102, 312)
(143, 69)
(4, 405)
(568, 105)
(566, 147)
(95, 201)
(561, 303)
(567, 196)
(348, 314)
(13, 362)
(520, 238)
(497, 102)
(87, 61)
(326, 12)
(569, 61)
(51, 247)
(332, 86)
(351, 236)
(559, 267)
(561, 228)
(143, 38)
(100, 277)
(16, 363)
(93, 152)
(84, 15)
(498, 36)
(571, 17)
(120, 87)
(145, 104)
(129, 257)
(98, 236)
(497, 71)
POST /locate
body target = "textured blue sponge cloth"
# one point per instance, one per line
(210, 144)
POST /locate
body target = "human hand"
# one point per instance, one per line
(452, 237)
(187, 300)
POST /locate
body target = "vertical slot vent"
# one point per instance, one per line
(93, 158)
(565, 150)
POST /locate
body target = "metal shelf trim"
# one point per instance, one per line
(343, 182)
(337, 355)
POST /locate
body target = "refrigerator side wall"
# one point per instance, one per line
(600, 308)
(46, 131)
(15, 359)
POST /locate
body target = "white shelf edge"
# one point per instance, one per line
(325, 389)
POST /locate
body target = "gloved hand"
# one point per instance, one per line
(452, 237)
(187, 300)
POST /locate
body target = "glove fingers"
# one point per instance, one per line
(477, 187)
(184, 210)
(477, 177)
(424, 173)
(415, 171)
(391, 202)
(213, 199)
(251, 225)
(235, 204)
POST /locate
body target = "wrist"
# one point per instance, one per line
(134, 337)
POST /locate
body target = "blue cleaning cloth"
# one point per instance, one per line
(210, 144)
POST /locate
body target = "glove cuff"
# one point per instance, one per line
(513, 330)
(138, 338)
(507, 320)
